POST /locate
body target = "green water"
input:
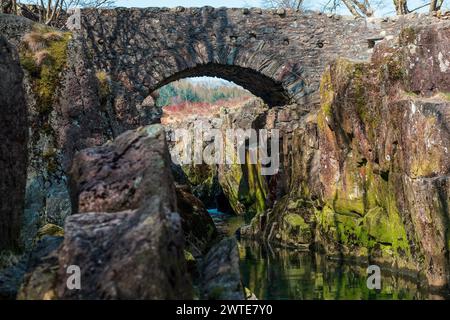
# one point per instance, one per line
(272, 272)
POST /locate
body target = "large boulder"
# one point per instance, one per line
(13, 149)
(126, 219)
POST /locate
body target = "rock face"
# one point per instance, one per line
(369, 174)
(239, 188)
(221, 279)
(41, 280)
(13, 149)
(125, 220)
(198, 226)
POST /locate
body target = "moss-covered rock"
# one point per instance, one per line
(371, 179)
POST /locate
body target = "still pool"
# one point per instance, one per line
(271, 272)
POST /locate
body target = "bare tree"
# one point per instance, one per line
(8, 6)
(401, 7)
(51, 10)
(287, 4)
(436, 5)
(359, 8)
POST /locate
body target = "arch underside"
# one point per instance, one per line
(260, 85)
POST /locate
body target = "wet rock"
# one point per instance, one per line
(198, 226)
(221, 279)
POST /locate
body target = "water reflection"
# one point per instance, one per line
(279, 273)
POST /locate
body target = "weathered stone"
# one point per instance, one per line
(126, 221)
(221, 279)
(199, 229)
(369, 172)
(184, 44)
(41, 280)
(127, 191)
(13, 148)
(122, 174)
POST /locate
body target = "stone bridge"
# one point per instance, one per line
(278, 55)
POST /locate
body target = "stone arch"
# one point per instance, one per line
(272, 92)
(266, 74)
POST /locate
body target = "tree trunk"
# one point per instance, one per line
(351, 8)
(436, 5)
(401, 7)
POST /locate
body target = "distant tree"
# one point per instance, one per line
(358, 8)
(436, 5)
(8, 6)
(189, 95)
(51, 10)
(287, 4)
(218, 95)
(166, 95)
(401, 7)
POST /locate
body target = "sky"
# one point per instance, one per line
(386, 10)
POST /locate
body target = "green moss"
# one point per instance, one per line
(408, 35)
(248, 293)
(49, 230)
(46, 76)
(326, 93)
(257, 186)
(103, 84)
(386, 228)
(294, 220)
(445, 95)
(411, 94)
(188, 256)
(295, 230)
(50, 158)
(349, 206)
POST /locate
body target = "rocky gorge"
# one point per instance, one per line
(88, 179)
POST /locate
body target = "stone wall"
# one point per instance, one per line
(279, 55)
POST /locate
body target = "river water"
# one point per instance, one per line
(272, 272)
